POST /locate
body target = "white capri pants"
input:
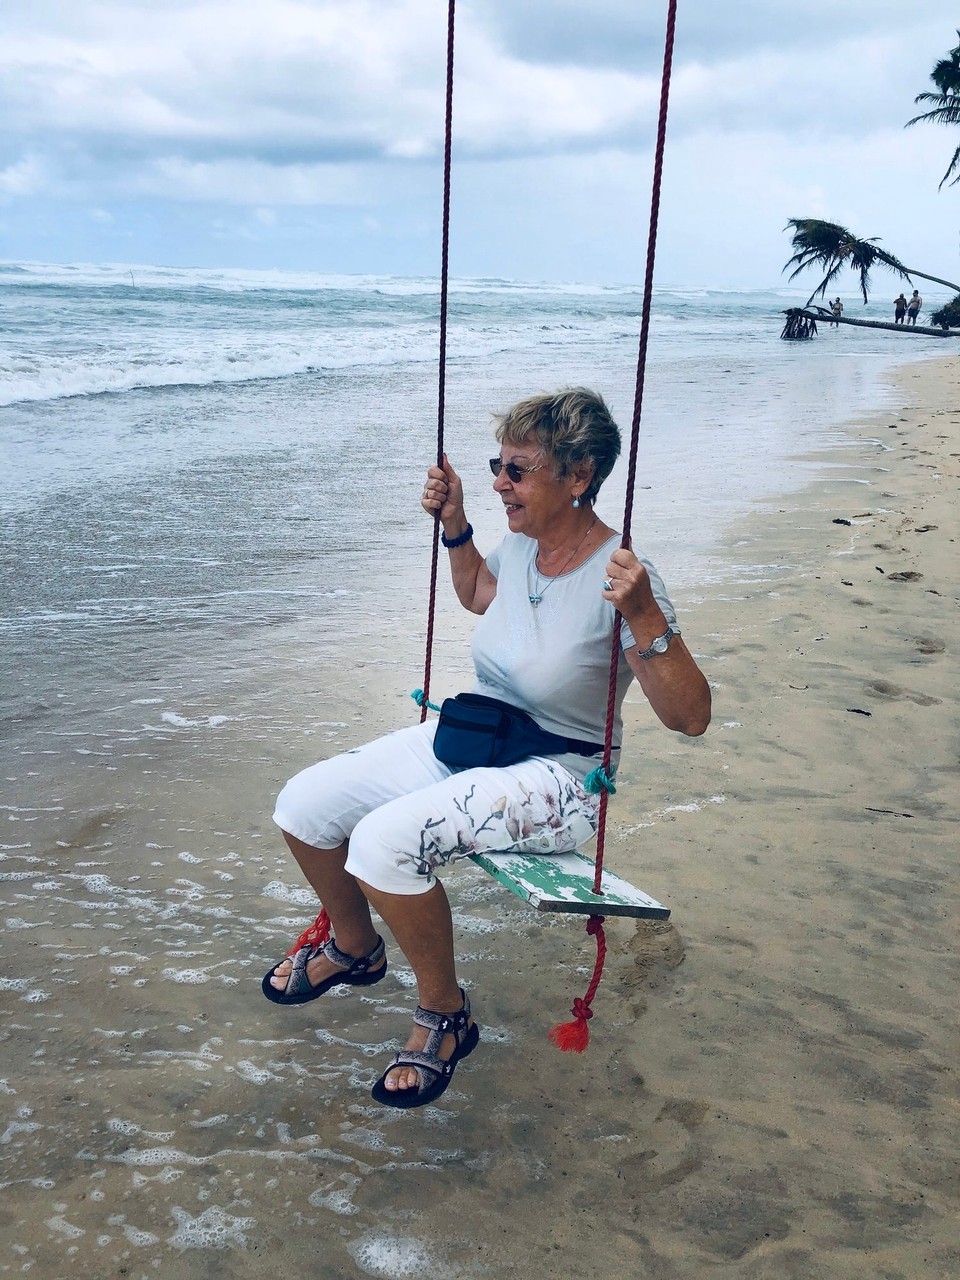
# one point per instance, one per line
(405, 814)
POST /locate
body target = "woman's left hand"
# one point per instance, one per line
(629, 587)
(672, 682)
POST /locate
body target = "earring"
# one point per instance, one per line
(576, 502)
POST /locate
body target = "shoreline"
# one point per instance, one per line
(767, 1088)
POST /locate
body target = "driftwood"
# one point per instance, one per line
(802, 323)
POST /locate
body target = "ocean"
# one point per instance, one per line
(215, 570)
(195, 458)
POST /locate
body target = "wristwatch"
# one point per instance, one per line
(660, 645)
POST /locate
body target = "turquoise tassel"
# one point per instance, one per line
(598, 780)
(420, 698)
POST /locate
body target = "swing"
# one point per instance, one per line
(568, 883)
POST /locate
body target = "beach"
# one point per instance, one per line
(770, 1087)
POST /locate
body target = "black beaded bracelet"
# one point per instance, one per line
(450, 543)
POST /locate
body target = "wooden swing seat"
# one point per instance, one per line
(564, 882)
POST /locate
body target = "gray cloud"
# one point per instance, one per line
(338, 103)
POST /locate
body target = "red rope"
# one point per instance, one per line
(441, 390)
(576, 1035)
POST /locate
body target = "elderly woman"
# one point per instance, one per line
(371, 827)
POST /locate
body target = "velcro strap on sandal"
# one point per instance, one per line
(422, 1061)
(356, 964)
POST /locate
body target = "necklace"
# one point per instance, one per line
(536, 596)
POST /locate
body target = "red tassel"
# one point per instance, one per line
(315, 935)
(573, 1037)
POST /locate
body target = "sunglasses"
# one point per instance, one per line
(515, 472)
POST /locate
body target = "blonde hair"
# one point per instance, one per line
(571, 427)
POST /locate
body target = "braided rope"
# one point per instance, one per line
(442, 380)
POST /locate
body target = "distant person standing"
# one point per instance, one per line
(913, 307)
(899, 309)
(836, 310)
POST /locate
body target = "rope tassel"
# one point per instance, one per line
(315, 935)
(573, 1037)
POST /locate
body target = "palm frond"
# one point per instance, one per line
(945, 113)
(954, 163)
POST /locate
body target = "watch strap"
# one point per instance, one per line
(660, 645)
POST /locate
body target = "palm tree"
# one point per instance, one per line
(832, 247)
(946, 102)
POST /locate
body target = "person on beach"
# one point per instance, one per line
(899, 309)
(836, 310)
(913, 307)
(371, 827)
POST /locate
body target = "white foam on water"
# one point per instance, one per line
(256, 1075)
(64, 1228)
(212, 1229)
(188, 857)
(289, 893)
(371, 1139)
(190, 977)
(146, 1157)
(393, 1257)
(135, 1235)
(15, 1127)
(166, 1175)
(339, 1201)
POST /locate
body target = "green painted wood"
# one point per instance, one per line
(564, 882)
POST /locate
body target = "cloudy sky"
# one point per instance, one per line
(307, 134)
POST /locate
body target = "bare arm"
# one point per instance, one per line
(672, 682)
(473, 582)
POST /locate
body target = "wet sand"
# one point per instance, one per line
(770, 1089)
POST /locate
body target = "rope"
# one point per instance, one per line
(576, 1035)
(442, 380)
(573, 1036)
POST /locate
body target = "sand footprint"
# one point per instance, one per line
(929, 644)
(885, 689)
(671, 1151)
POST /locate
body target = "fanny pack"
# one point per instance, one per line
(476, 732)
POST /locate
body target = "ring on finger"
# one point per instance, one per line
(607, 584)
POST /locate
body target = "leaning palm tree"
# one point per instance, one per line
(833, 248)
(946, 102)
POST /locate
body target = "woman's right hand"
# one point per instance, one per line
(443, 493)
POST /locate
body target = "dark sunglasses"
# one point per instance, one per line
(515, 472)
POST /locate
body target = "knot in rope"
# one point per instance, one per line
(421, 699)
(581, 1010)
(594, 925)
(598, 780)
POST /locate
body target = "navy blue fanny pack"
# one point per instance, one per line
(475, 731)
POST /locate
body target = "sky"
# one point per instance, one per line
(307, 135)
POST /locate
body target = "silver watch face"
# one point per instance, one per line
(661, 644)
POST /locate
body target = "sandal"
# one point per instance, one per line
(435, 1072)
(362, 972)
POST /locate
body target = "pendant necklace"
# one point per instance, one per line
(537, 596)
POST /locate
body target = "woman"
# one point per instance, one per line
(371, 826)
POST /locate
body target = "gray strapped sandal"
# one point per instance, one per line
(362, 972)
(434, 1072)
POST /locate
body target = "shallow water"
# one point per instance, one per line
(207, 586)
